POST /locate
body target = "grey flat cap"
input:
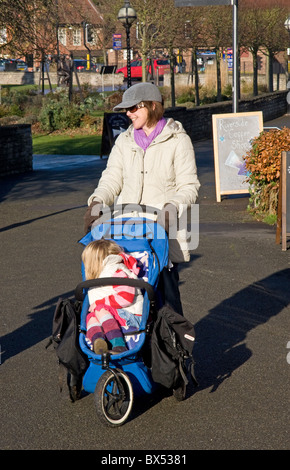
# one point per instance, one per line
(137, 93)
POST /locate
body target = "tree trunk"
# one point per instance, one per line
(255, 73)
(195, 69)
(218, 75)
(270, 72)
(172, 78)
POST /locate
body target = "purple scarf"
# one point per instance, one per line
(143, 140)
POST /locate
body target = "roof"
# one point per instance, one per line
(75, 11)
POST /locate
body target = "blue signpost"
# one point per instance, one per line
(117, 42)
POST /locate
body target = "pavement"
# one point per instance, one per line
(236, 291)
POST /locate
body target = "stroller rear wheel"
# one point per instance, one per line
(113, 397)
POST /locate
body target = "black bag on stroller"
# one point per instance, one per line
(65, 340)
(171, 351)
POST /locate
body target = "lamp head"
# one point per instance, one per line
(287, 24)
(127, 15)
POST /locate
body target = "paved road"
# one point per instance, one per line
(236, 291)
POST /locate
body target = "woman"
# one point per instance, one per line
(151, 163)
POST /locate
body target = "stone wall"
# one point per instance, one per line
(15, 149)
(34, 78)
(198, 121)
(184, 80)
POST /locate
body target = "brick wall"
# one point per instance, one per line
(198, 121)
(15, 149)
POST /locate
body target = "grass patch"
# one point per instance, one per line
(22, 88)
(51, 144)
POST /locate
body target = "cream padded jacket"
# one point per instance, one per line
(165, 173)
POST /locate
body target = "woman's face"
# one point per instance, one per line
(138, 116)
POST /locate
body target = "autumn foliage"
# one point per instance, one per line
(263, 163)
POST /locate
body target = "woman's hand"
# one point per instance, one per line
(93, 212)
(167, 216)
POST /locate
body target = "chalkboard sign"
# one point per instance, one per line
(105, 69)
(232, 136)
(285, 197)
(113, 125)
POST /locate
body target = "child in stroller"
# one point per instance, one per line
(110, 306)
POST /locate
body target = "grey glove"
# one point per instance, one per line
(93, 212)
(167, 216)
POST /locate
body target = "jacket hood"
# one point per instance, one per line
(122, 261)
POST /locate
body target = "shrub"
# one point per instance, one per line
(92, 103)
(58, 113)
(4, 110)
(10, 110)
(92, 122)
(185, 95)
(113, 99)
(228, 91)
(263, 163)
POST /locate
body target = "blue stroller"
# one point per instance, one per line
(116, 379)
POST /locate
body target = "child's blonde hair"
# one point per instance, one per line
(95, 253)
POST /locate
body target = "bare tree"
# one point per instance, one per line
(274, 37)
(251, 34)
(151, 16)
(218, 35)
(193, 33)
(109, 23)
(30, 26)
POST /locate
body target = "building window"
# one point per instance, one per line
(92, 34)
(98, 33)
(3, 35)
(77, 37)
(62, 36)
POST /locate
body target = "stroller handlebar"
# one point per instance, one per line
(115, 211)
(130, 207)
(109, 281)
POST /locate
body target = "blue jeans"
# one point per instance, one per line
(130, 318)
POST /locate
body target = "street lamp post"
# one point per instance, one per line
(127, 16)
(287, 26)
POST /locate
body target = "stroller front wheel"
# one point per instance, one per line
(113, 397)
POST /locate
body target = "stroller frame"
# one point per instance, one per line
(116, 379)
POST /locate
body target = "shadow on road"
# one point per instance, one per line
(30, 221)
(34, 331)
(220, 346)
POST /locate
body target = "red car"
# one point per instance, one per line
(136, 67)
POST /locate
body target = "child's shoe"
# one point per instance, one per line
(118, 349)
(100, 346)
